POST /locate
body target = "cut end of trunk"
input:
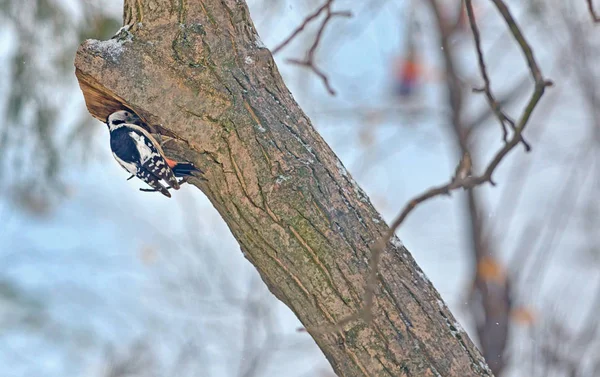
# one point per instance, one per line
(99, 101)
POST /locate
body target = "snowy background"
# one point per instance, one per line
(99, 279)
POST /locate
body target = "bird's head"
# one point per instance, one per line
(121, 117)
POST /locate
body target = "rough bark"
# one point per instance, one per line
(199, 69)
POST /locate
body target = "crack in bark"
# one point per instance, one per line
(316, 259)
(273, 257)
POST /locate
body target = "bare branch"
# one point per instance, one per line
(459, 180)
(592, 11)
(300, 28)
(317, 71)
(495, 106)
(309, 62)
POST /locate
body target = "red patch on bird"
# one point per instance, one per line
(171, 163)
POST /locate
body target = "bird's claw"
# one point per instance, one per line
(182, 181)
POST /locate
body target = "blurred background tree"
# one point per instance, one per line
(41, 119)
(98, 279)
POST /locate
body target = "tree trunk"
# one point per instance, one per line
(198, 69)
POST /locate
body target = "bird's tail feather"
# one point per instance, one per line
(185, 169)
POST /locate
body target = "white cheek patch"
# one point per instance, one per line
(129, 166)
(144, 150)
(113, 126)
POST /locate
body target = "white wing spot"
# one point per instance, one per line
(144, 150)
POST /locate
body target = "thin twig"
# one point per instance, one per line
(300, 28)
(506, 99)
(592, 11)
(317, 71)
(495, 106)
(309, 62)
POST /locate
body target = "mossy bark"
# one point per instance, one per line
(198, 69)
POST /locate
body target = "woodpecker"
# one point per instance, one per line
(140, 154)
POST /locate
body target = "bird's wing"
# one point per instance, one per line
(141, 130)
(153, 181)
(151, 156)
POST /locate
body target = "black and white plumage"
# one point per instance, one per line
(140, 154)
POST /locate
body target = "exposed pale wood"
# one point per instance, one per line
(99, 102)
